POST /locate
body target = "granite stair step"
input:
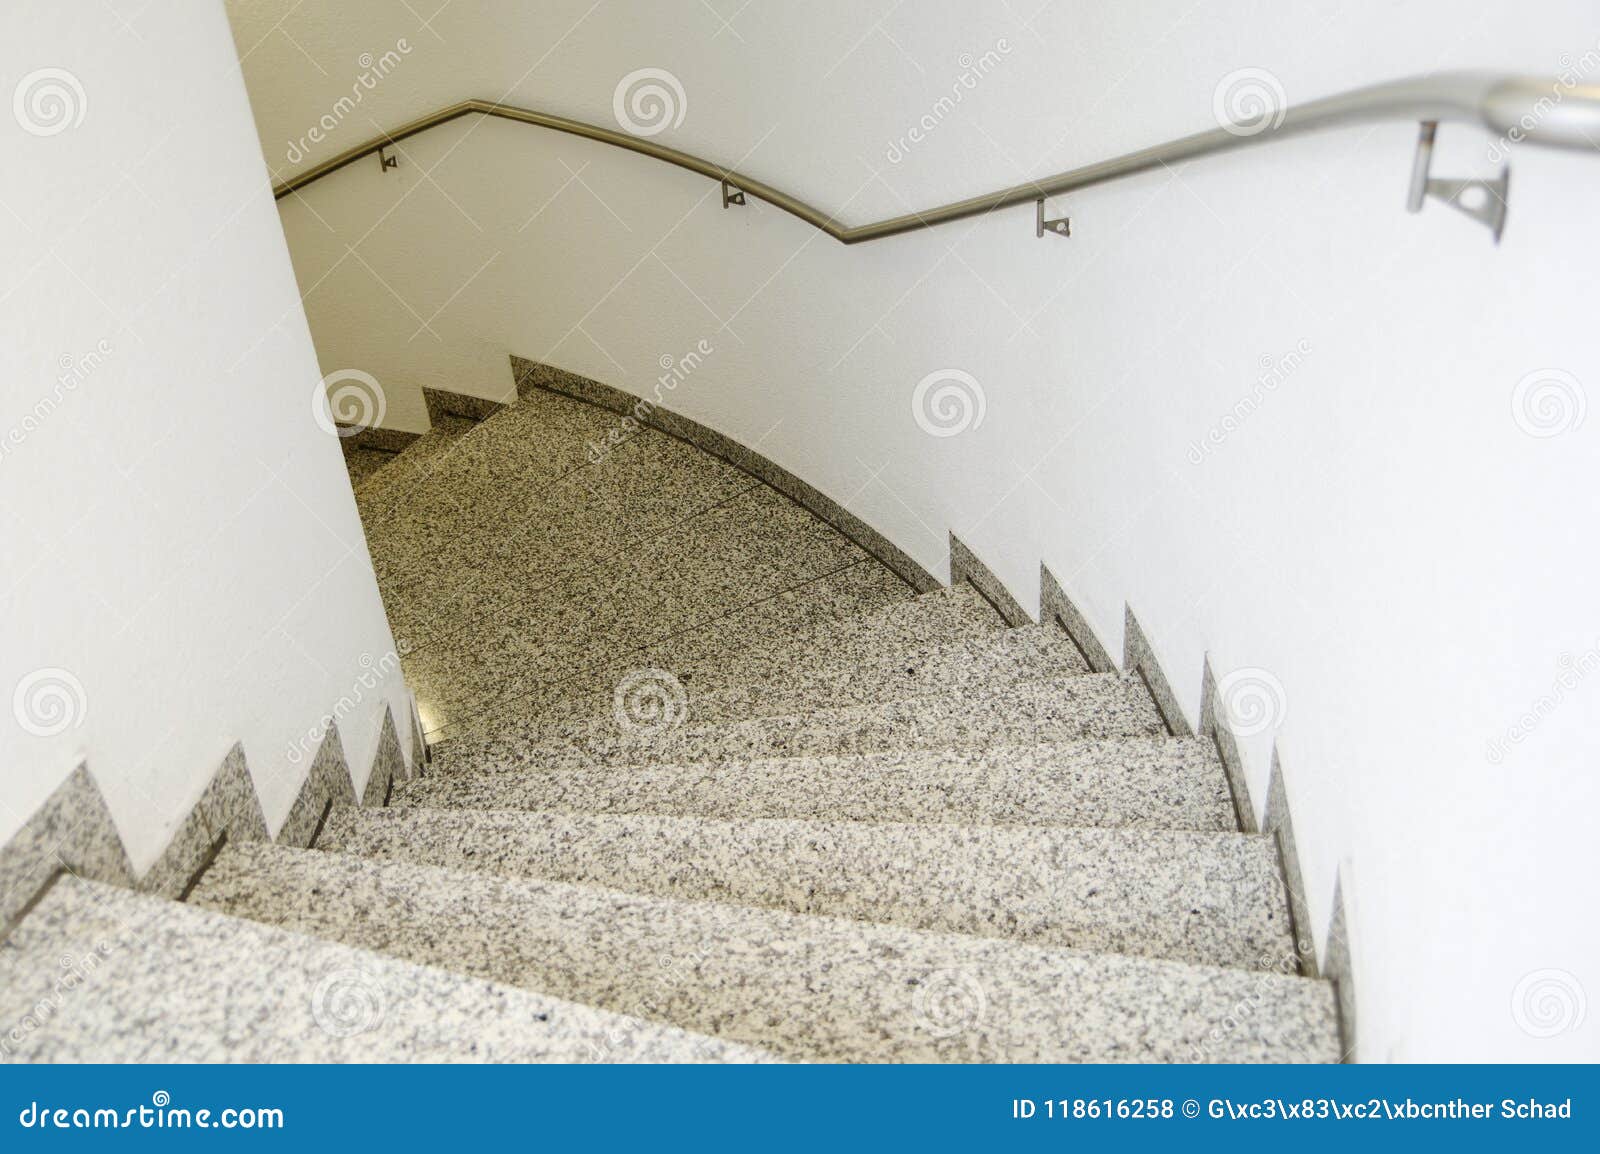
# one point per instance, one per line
(1209, 898)
(1090, 706)
(1140, 783)
(864, 678)
(956, 613)
(718, 691)
(95, 973)
(744, 550)
(852, 668)
(511, 547)
(529, 445)
(452, 511)
(384, 489)
(907, 630)
(798, 986)
(861, 589)
(751, 647)
(364, 465)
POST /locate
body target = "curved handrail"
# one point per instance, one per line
(1527, 108)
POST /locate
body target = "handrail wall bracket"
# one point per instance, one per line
(1060, 226)
(385, 161)
(1483, 200)
(732, 195)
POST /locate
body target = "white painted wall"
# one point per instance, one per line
(1380, 535)
(182, 557)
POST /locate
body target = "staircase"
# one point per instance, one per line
(707, 783)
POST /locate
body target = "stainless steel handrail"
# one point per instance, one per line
(1523, 108)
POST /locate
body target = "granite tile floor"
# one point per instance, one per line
(707, 783)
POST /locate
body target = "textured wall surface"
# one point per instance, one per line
(1334, 446)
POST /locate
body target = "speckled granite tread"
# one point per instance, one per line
(799, 986)
(834, 597)
(834, 672)
(1145, 783)
(528, 445)
(944, 616)
(1092, 706)
(97, 973)
(769, 668)
(862, 677)
(441, 517)
(508, 550)
(733, 555)
(382, 490)
(539, 438)
(364, 465)
(1215, 899)
(532, 538)
(717, 692)
(775, 631)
